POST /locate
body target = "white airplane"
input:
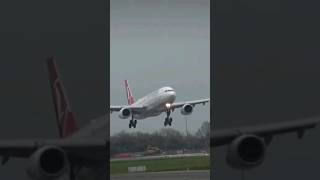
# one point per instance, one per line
(153, 104)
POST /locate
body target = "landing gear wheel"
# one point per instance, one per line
(134, 124)
(170, 121)
(165, 121)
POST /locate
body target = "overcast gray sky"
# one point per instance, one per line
(157, 43)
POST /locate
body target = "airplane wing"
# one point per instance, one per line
(266, 131)
(90, 150)
(193, 103)
(118, 108)
(115, 108)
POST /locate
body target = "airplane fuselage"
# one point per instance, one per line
(155, 103)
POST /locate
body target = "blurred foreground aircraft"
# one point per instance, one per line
(247, 145)
(77, 154)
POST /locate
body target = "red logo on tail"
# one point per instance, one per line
(129, 93)
(66, 120)
(65, 117)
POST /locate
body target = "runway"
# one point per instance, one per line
(159, 157)
(170, 175)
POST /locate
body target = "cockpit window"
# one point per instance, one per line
(168, 90)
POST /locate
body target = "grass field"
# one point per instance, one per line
(156, 165)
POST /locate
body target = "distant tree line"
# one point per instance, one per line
(167, 139)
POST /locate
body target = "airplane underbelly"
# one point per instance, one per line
(155, 108)
(147, 114)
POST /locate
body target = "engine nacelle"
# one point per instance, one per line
(186, 109)
(124, 113)
(48, 163)
(246, 151)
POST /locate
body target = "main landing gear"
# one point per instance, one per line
(132, 123)
(168, 119)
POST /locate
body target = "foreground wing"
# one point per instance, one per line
(267, 131)
(88, 149)
(193, 103)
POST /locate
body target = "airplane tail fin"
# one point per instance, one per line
(129, 93)
(65, 117)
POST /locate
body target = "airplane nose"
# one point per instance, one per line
(172, 95)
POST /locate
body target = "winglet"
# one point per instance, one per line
(65, 117)
(130, 97)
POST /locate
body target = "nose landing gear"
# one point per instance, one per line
(168, 119)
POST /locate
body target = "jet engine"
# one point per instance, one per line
(186, 109)
(124, 113)
(246, 151)
(48, 163)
